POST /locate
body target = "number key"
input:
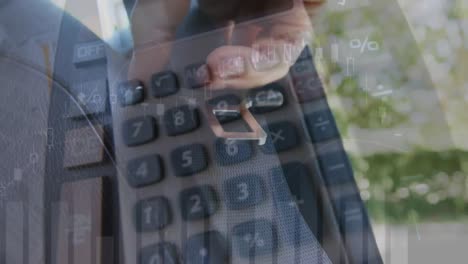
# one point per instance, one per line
(158, 254)
(222, 102)
(144, 171)
(244, 191)
(189, 160)
(139, 131)
(198, 202)
(181, 120)
(152, 214)
(232, 151)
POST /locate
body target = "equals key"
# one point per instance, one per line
(82, 233)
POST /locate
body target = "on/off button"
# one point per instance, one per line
(89, 53)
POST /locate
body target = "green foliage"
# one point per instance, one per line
(367, 111)
(419, 184)
(422, 184)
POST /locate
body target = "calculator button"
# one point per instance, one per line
(321, 126)
(198, 202)
(267, 99)
(86, 54)
(152, 214)
(83, 147)
(164, 84)
(206, 248)
(161, 253)
(230, 152)
(308, 88)
(189, 160)
(282, 136)
(335, 168)
(303, 68)
(197, 75)
(144, 171)
(139, 131)
(253, 238)
(222, 102)
(181, 120)
(91, 98)
(307, 84)
(295, 200)
(244, 191)
(131, 92)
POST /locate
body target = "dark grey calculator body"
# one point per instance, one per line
(190, 196)
(186, 196)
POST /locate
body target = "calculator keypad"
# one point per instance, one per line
(220, 187)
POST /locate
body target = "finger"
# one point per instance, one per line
(312, 6)
(157, 20)
(153, 24)
(266, 60)
(247, 67)
(145, 62)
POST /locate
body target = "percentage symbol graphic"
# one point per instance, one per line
(364, 45)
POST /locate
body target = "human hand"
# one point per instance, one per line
(231, 66)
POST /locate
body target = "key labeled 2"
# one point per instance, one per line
(198, 202)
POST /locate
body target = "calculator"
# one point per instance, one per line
(164, 170)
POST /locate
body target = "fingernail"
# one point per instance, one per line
(293, 45)
(231, 67)
(264, 56)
